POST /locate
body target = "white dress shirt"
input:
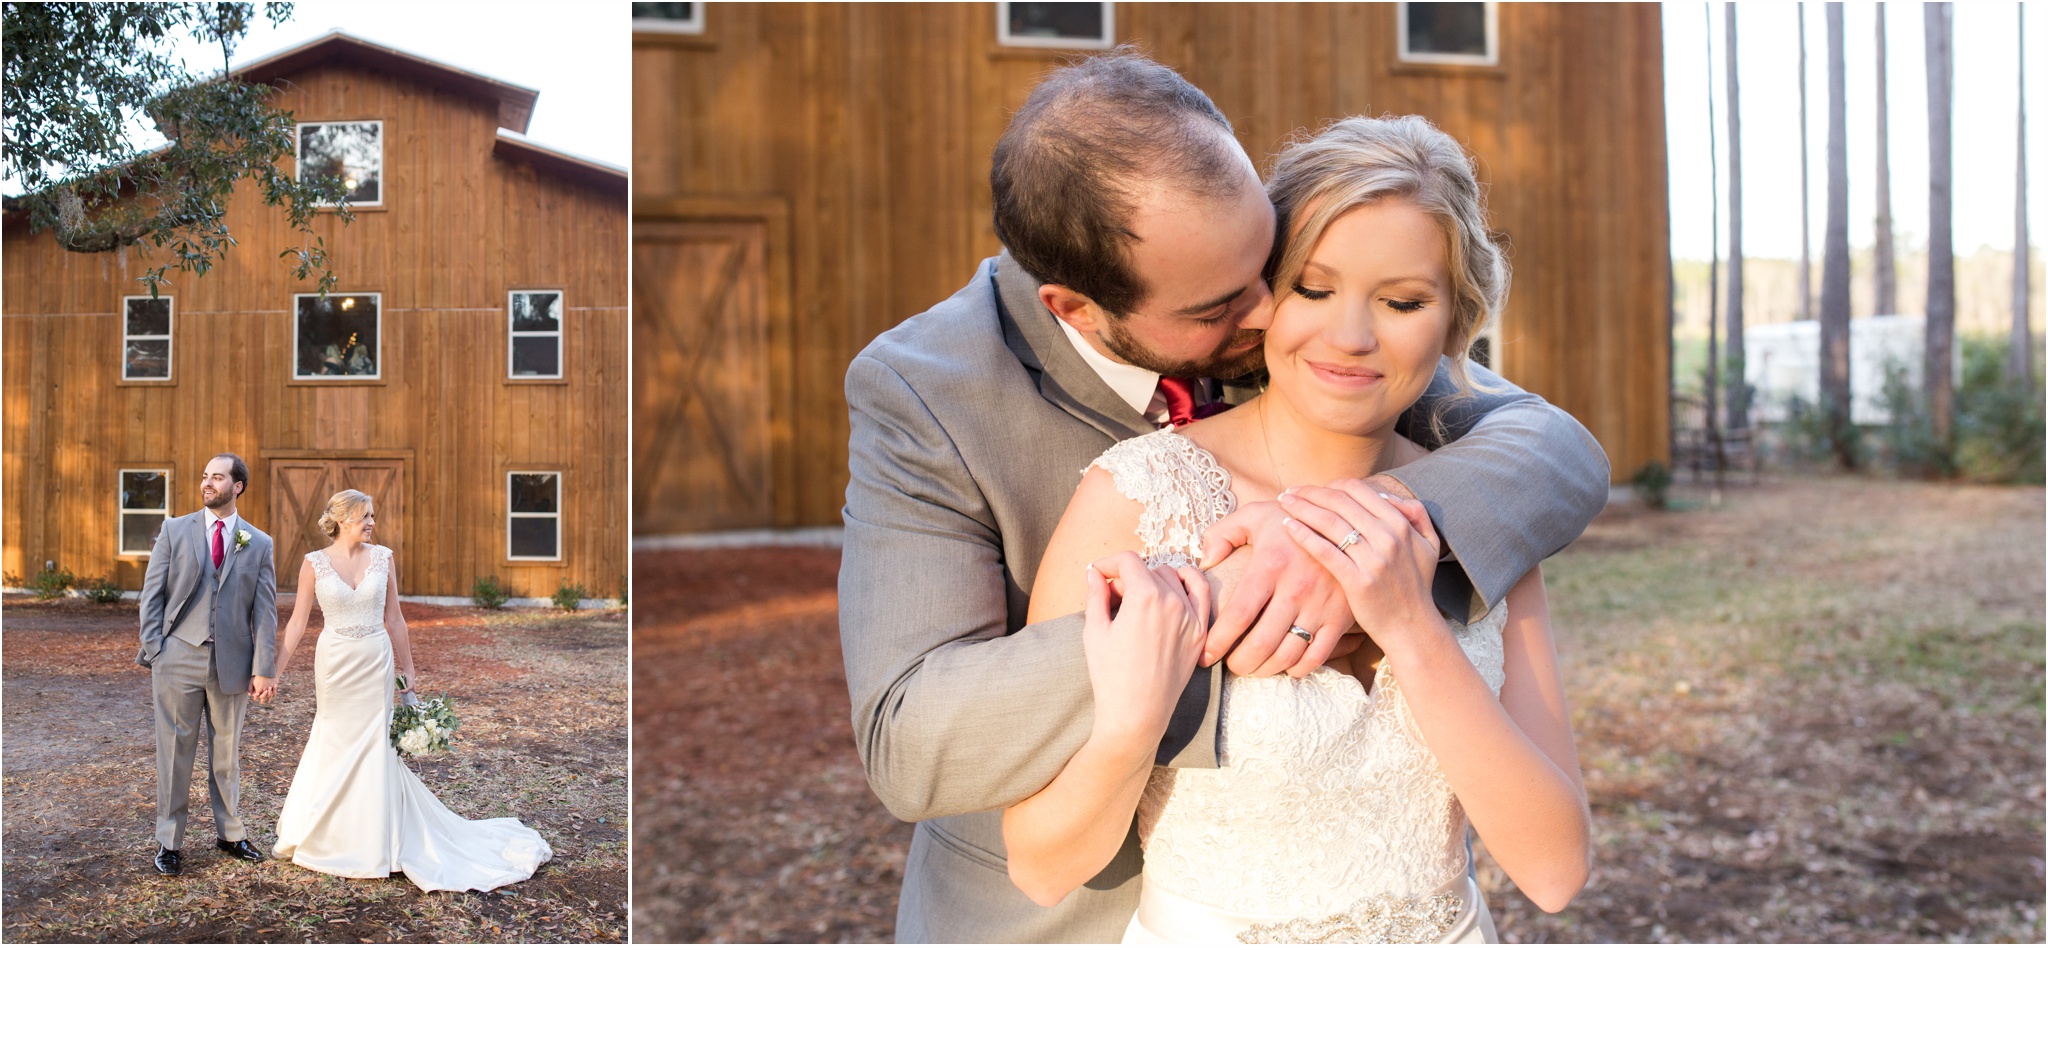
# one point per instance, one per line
(1133, 384)
(227, 535)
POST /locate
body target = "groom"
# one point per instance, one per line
(1136, 235)
(209, 637)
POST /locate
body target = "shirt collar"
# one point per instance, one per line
(232, 519)
(1133, 384)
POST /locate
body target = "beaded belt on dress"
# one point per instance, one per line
(1441, 915)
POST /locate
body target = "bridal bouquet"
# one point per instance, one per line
(423, 727)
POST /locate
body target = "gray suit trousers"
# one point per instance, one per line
(189, 699)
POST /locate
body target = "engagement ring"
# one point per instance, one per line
(1350, 539)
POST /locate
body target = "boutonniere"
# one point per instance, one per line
(241, 540)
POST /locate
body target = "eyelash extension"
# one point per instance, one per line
(1405, 306)
(1309, 294)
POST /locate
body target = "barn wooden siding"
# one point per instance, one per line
(808, 175)
(459, 228)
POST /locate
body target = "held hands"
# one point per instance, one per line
(262, 689)
(1280, 587)
(1142, 630)
(1381, 549)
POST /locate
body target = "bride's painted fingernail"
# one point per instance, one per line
(1287, 496)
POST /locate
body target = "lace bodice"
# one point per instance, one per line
(1327, 793)
(358, 612)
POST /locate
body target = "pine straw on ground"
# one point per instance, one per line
(542, 697)
(1811, 714)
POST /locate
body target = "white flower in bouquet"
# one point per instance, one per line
(416, 742)
(424, 728)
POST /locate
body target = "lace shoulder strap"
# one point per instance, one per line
(322, 566)
(1180, 486)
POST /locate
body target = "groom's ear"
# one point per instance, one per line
(1079, 310)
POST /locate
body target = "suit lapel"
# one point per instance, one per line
(1064, 378)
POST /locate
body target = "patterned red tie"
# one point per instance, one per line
(1180, 402)
(218, 555)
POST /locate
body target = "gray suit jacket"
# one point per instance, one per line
(971, 425)
(244, 604)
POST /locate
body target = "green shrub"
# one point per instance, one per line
(52, 581)
(568, 596)
(101, 589)
(488, 593)
(1653, 484)
(1998, 430)
(624, 580)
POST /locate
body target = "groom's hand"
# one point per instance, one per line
(1276, 586)
(262, 688)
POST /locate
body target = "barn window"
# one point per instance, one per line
(668, 18)
(535, 332)
(1073, 26)
(1450, 34)
(533, 515)
(145, 497)
(146, 338)
(338, 336)
(352, 152)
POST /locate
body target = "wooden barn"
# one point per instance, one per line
(808, 175)
(468, 371)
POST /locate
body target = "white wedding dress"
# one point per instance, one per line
(1329, 820)
(355, 809)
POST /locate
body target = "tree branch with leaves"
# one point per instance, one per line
(82, 79)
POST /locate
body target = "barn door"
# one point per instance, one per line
(702, 419)
(300, 487)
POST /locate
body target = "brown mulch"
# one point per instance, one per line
(753, 820)
(542, 698)
(1812, 713)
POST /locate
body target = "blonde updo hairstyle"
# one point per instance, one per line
(1362, 160)
(341, 508)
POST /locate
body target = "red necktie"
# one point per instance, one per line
(1180, 402)
(217, 554)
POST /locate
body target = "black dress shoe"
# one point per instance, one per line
(167, 861)
(239, 849)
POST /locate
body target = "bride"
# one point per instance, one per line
(354, 809)
(1340, 809)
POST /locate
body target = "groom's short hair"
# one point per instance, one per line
(238, 470)
(1068, 171)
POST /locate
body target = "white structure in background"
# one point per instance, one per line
(1784, 359)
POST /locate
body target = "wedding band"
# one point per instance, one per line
(1350, 539)
(1305, 635)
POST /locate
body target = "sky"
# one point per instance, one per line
(578, 56)
(1985, 123)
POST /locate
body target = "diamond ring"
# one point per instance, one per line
(1350, 539)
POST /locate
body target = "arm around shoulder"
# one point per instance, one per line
(1519, 480)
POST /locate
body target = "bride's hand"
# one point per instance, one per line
(1387, 570)
(1143, 628)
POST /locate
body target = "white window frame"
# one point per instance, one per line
(122, 512)
(170, 332)
(1065, 43)
(377, 375)
(692, 26)
(1492, 56)
(510, 515)
(561, 335)
(299, 157)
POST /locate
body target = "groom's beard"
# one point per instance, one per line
(1243, 354)
(217, 500)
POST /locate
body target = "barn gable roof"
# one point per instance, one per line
(515, 103)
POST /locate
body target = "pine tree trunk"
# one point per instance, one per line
(1937, 374)
(1805, 188)
(1887, 273)
(1710, 381)
(1834, 278)
(1738, 399)
(2019, 360)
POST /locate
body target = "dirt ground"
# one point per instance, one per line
(542, 699)
(1813, 713)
